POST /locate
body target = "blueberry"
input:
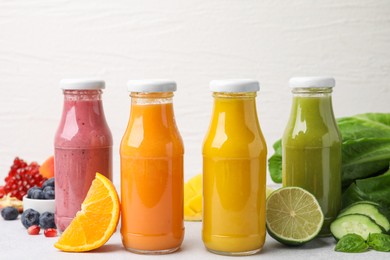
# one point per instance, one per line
(30, 217)
(48, 195)
(9, 213)
(46, 220)
(31, 190)
(47, 188)
(49, 182)
(37, 194)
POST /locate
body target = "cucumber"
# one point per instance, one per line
(364, 202)
(369, 209)
(354, 224)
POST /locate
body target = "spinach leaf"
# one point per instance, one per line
(275, 163)
(370, 125)
(362, 158)
(375, 189)
(379, 242)
(365, 148)
(351, 243)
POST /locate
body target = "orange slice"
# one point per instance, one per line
(94, 224)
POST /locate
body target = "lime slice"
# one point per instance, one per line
(294, 216)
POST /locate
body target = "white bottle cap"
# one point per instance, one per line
(312, 82)
(152, 85)
(82, 84)
(234, 85)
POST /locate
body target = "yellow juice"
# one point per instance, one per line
(234, 181)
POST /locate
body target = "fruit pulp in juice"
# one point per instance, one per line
(234, 179)
(312, 154)
(83, 146)
(152, 180)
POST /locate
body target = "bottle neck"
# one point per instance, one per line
(84, 106)
(312, 98)
(234, 95)
(312, 106)
(154, 109)
(235, 103)
(151, 129)
(235, 109)
(83, 122)
(312, 92)
(152, 98)
(82, 95)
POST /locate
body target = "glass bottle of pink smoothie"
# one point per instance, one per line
(83, 146)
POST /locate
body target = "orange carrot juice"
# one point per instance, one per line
(152, 175)
(234, 172)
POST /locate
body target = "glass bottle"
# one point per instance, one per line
(234, 171)
(311, 145)
(83, 146)
(151, 154)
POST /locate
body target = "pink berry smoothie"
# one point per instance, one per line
(83, 146)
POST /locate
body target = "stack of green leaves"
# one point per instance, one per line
(365, 158)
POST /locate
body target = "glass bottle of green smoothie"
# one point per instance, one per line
(311, 145)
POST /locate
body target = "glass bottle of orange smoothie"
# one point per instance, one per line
(311, 145)
(151, 155)
(234, 171)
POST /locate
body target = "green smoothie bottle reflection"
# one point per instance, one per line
(312, 145)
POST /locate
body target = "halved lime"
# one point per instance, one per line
(294, 216)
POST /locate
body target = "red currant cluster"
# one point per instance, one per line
(21, 177)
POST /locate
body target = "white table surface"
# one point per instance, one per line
(15, 243)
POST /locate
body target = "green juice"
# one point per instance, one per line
(312, 151)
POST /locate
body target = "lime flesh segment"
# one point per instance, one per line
(294, 216)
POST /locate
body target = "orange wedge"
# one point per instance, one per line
(94, 224)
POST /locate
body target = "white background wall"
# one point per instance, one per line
(192, 42)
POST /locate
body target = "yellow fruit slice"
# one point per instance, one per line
(193, 199)
(96, 221)
(268, 191)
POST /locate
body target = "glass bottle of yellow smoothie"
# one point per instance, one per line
(234, 171)
(311, 145)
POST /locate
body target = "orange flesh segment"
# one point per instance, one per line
(95, 223)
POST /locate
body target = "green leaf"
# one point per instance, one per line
(364, 157)
(351, 243)
(365, 125)
(365, 147)
(379, 242)
(376, 189)
(275, 163)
